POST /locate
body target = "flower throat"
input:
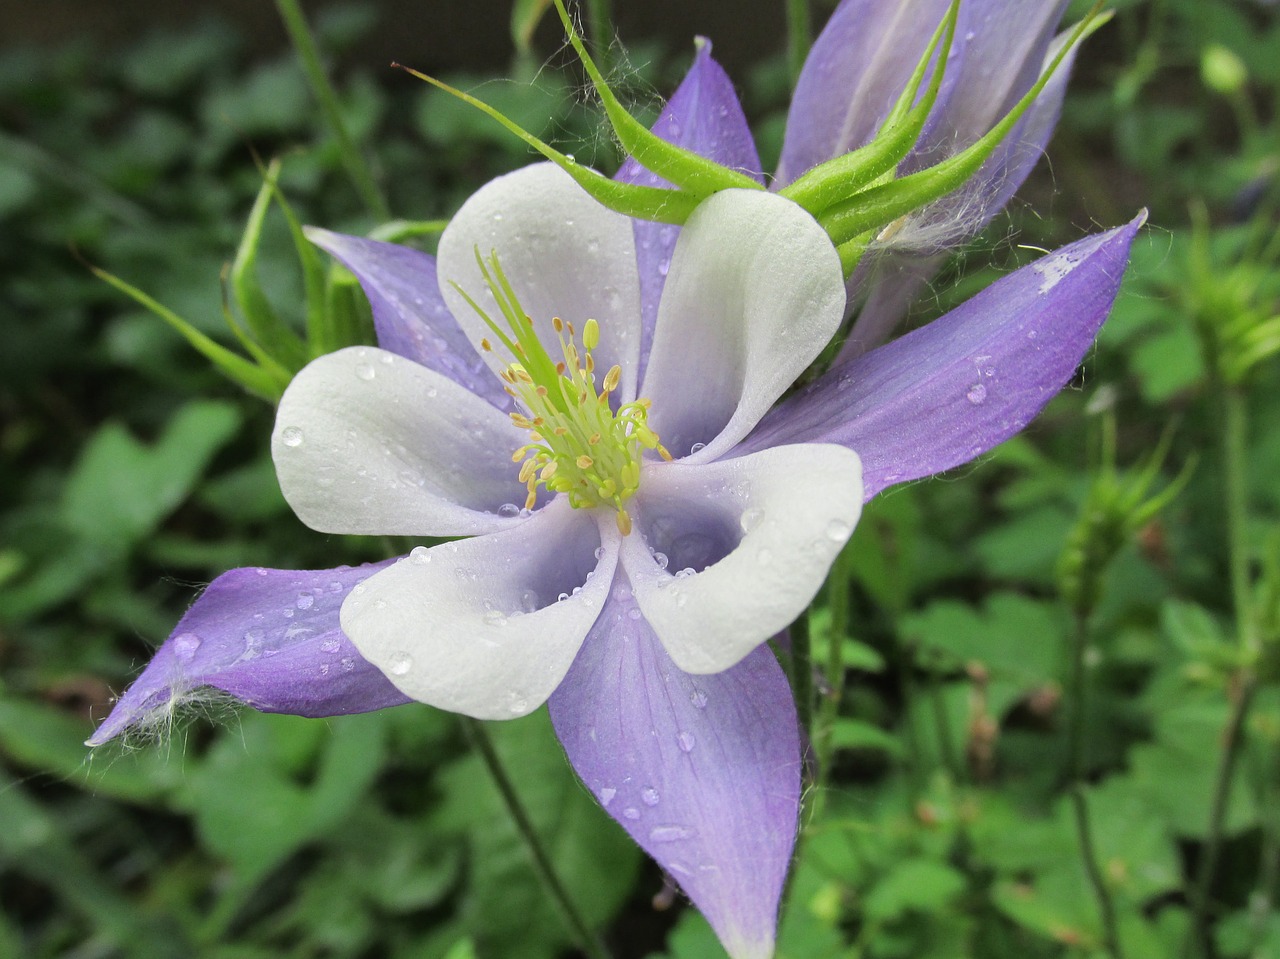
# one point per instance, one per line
(578, 444)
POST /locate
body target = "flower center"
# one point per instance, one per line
(578, 444)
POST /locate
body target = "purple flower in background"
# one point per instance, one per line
(671, 711)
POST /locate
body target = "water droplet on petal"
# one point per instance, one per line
(649, 796)
(686, 742)
(838, 531)
(671, 833)
(750, 518)
(330, 646)
(607, 794)
(305, 601)
(508, 510)
(399, 664)
(634, 613)
(365, 371)
(420, 556)
(291, 436)
(977, 394)
(185, 646)
(631, 812)
(661, 560)
(699, 698)
(697, 448)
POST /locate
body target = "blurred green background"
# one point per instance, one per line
(131, 474)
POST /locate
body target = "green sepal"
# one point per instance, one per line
(684, 168)
(642, 202)
(321, 337)
(843, 176)
(265, 382)
(870, 211)
(279, 341)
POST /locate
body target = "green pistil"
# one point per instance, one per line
(578, 444)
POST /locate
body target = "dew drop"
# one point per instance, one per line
(365, 371)
(348, 664)
(686, 572)
(649, 796)
(634, 613)
(518, 705)
(750, 518)
(305, 601)
(400, 664)
(671, 833)
(508, 510)
(838, 531)
(420, 556)
(697, 448)
(600, 551)
(631, 812)
(291, 436)
(661, 560)
(977, 394)
(185, 646)
(686, 742)
(699, 698)
(562, 597)
(607, 794)
(330, 646)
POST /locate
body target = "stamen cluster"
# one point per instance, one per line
(579, 444)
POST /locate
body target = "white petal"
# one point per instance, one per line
(770, 524)
(476, 626)
(565, 255)
(754, 293)
(368, 442)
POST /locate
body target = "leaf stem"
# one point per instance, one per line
(309, 55)
(799, 37)
(1234, 413)
(1079, 801)
(587, 939)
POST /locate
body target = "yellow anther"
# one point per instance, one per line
(486, 346)
(593, 439)
(624, 522)
(612, 378)
(585, 462)
(591, 335)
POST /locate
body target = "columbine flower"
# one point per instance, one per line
(672, 712)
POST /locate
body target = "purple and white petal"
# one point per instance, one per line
(409, 315)
(745, 545)
(704, 116)
(368, 442)
(754, 294)
(268, 637)
(952, 390)
(857, 68)
(565, 255)
(702, 771)
(488, 626)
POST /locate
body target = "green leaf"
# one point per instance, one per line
(120, 489)
(915, 885)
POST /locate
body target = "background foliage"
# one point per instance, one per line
(942, 821)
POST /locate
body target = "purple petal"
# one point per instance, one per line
(855, 72)
(268, 637)
(1005, 44)
(952, 390)
(704, 116)
(409, 314)
(703, 772)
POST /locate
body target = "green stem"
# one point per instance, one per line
(1079, 802)
(587, 940)
(834, 671)
(802, 672)
(303, 41)
(600, 31)
(799, 36)
(1234, 417)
